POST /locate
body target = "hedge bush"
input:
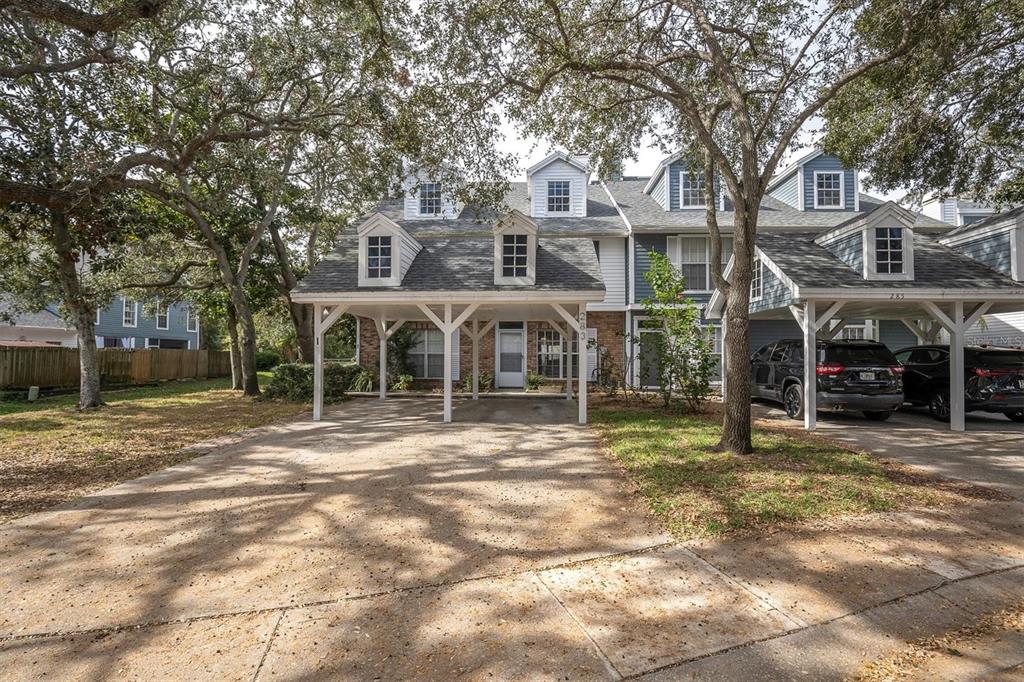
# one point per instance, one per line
(267, 359)
(294, 381)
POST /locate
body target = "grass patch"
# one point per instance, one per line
(52, 452)
(698, 492)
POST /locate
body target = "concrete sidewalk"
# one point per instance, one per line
(380, 544)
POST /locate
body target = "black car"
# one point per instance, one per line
(993, 381)
(852, 375)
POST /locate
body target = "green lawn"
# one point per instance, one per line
(52, 452)
(791, 477)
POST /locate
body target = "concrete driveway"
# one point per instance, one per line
(990, 452)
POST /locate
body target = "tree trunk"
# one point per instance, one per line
(81, 311)
(302, 318)
(736, 419)
(246, 340)
(236, 351)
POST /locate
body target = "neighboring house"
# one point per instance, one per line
(953, 211)
(125, 323)
(522, 290)
(44, 328)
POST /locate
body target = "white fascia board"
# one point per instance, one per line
(781, 175)
(965, 237)
(662, 167)
(557, 156)
(777, 271)
(908, 294)
(390, 297)
(618, 209)
(712, 309)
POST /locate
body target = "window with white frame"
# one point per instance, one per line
(889, 250)
(854, 332)
(97, 321)
(163, 320)
(828, 189)
(558, 196)
(691, 190)
(426, 355)
(130, 316)
(551, 360)
(430, 198)
(693, 262)
(378, 257)
(514, 255)
(757, 280)
(191, 320)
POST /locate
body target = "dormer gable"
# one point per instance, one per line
(879, 244)
(425, 197)
(557, 186)
(385, 252)
(677, 186)
(997, 241)
(817, 181)
(515, 250)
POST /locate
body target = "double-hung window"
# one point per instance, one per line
(130, 316)
(691, 190)
(558, 196)
(757, 280)
(693, 262)
(889, 250)
(162, 316)
(191, 320)
(378, 257)
(513, 255)
(430, 198)
(427, 354)
(828, 189)
(551, 360)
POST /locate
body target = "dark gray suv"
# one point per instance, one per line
(859, 376)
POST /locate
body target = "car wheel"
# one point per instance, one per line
(938, 406)
(1016, 416)
(793, 401)
(878, 415)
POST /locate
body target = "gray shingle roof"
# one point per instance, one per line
(464, 264)
(935, 266)
(602, 218)
(645, 214)
(46, 318)
(994, 219)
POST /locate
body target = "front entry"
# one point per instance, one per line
(511, 352)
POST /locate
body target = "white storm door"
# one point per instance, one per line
(511, 358)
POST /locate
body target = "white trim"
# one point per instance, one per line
(689, 207)
(842, 190)
(757, 269)
(167, 316)
(801, 189)
(915, 295)
(455, 296)
(856, 189)
(547, 198)
(135, 313)
(870, 254)
(497, 353)
(556, 156)
(420, 197)
(987, 231)
(798, 164)
(191, 316)
(659, 169)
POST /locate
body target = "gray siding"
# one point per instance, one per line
(673, 172)
(643, 244)
(776, 294)
(1006, 329)
(993, 251)
(895, 334)
(850, 250)
(786, 191)
(767, 331)
(827, 163)
(111, 319)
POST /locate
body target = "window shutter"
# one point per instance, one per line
(591, 353)
(673, 251)
(455, 355)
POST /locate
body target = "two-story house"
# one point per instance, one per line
(562, 268)
(128, 323)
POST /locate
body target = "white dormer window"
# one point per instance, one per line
(691, 190)
(430, 198)
(889, 250)
(558, 196)
(757, 280)
(828, 189)
(514, 255)
(378, 257)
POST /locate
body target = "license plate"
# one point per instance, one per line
(867, 376)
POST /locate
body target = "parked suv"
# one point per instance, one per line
(852, 375)
(993, 382)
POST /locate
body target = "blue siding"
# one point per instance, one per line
(993, 251)
(673, 187)
(643, 244)
(658, 193)
(111, 324)
(827, 163)
(895, 334)
(850, 250)
(775, 294)
(786, 191)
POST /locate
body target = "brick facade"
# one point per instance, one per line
(610, 328)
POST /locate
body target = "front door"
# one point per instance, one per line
(511, 358)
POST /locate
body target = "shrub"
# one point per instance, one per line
(267, 360)
(402, 383)
(534, 381)
(362, 382)
(486, 381)
(294, 381)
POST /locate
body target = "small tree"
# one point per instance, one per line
(684, 347)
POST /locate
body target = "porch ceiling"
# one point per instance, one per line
(485, 312)
(886, 309)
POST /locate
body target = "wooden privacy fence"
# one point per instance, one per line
(58, 367)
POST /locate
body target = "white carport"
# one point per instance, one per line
(474, 313)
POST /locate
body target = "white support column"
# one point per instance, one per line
(318, 362)
(476, 359)
(957, 421)
(581, 390)
(568, 361)
(447, 329)
(810, 367)
(382, 335)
